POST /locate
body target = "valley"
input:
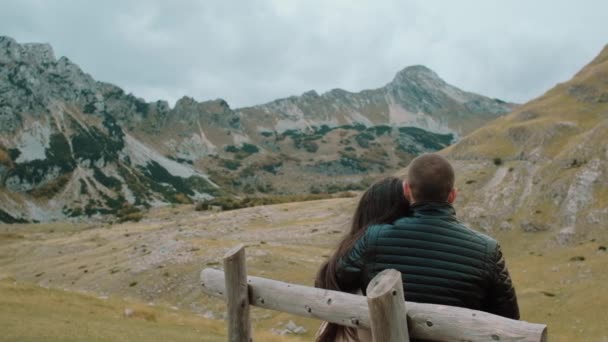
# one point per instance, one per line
(152, 267)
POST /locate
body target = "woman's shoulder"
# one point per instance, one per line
(375, 230)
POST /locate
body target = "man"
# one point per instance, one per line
(441, 260)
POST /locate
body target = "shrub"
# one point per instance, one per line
(182, 199)
(107, 181)
(231, 164)
(380, 130)
(266, 134)
(363, 139)
(248, 189)
(241, 153)
(264, 187)
(8, 218)
(232, 203)
(14, 153)
(324, 129)
(89, 108)
(249, 148)
(51, 188)
(231, 149)
(497, 161)
(94, 145)
(310, 146)
(201, 206)
(74, 212)
(129, 213)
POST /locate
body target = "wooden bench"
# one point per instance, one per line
(384, 311)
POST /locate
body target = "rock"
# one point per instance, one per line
(128, 312)
(504, 225)
(290, 328)
(529, 227)
(566, 236)
(294, 328)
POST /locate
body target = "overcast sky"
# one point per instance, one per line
(251, 52)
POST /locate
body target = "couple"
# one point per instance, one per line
(411, 226)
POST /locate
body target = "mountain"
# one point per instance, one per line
(543, 166)
(72, 146)
(63, 151)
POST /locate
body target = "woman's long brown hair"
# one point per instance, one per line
(383, 202)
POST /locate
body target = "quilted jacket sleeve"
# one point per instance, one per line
(351, 266)
(502, 299)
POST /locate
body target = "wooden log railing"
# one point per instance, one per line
(383, 311)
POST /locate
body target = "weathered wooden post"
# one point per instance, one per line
(237, 295)
(387, 312)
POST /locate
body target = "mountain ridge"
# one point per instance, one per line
(72, 146)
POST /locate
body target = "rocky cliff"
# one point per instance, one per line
(72, 146)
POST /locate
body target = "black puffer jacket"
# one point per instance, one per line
(441, 261)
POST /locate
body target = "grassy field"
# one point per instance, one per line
(56, 276)
(557, 287)
(32, 313)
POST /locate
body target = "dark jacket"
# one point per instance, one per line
(441, 261)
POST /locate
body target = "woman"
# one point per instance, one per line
(382, 203)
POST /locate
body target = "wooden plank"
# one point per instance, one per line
(425, 321)
(387, 312)
(237, 296)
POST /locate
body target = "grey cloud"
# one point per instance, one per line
(250, 52)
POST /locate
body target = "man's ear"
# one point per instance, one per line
(407, 191)
(452, 195)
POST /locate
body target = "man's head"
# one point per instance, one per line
(430, 178)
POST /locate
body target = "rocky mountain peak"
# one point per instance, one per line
(37, 69)
(185, 102)
(188, 104)
(310, 94)
(417, 74)
(41, 52)
(30, 53)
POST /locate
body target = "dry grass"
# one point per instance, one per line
(285, 242)
(569, 296)
(31, 313)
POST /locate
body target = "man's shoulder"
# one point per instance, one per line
(489, 241)
(451, 226)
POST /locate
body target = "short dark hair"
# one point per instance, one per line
(431, 178)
